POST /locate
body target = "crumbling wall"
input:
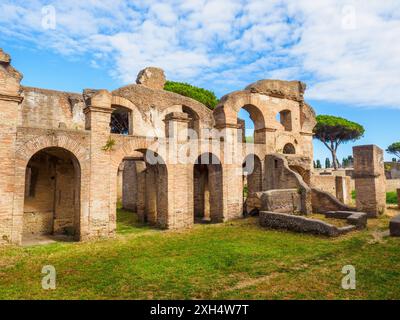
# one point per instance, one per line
(151, 104)
(278, 175)
(51, 109)
(282, 201)
(323, 202)
(338, 186)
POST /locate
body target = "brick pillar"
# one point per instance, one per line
(180, 196)
(102, 222)
(10, 98)
(232, 191)
(369, 175)
(176, 126)
(141, 190)
(151, 194)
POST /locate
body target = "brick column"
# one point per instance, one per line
(151, 194)
(10, 98)
(369, 174)
(141, 190)
(232, 191)
(180, 196)
(102, 222)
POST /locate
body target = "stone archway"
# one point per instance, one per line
(79, 153)
(226, 113)
(144, 181)
(207, 189)
(52, 196)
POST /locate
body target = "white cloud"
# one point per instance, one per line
(347, 51)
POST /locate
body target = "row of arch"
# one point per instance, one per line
(53, 188)
(122, 119)
(137, 176)
(53, 191)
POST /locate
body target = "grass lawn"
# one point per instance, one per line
(235, 260)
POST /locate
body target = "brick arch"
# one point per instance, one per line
(208, 195)
(28, 149)
(257, 152)
(25, 153)
(133, 147)
(284, 139)
(226, 113)
(129, 147)
(136, 116)
(120, 101)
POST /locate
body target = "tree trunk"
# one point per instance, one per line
(334, 160)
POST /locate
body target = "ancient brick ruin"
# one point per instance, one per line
(66, 157)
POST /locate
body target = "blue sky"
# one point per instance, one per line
(348, 52)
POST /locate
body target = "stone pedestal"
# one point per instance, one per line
(369, 175)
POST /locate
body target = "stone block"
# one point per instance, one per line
(395, 226)
(151, 77)
(281, 201)
(357, 219)
(301, 224)
(370, 181)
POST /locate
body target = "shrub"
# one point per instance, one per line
(391, 197)
(201, 95)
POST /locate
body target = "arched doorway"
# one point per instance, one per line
(145, 187)
(252, 175)
(52, 196)
(207, 184)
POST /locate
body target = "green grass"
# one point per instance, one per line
(234, 260)
(391, 197)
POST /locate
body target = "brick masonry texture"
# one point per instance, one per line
(62, 170)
